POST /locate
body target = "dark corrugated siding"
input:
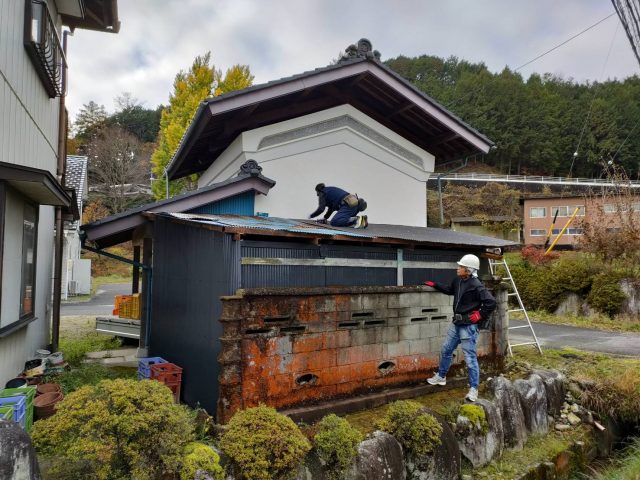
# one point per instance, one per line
(192, 268)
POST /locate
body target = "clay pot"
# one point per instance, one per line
(45, 405)
(47, 388)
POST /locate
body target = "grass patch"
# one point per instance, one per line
(625, 467)
(598, 322)
(74, 349)
(539, 448)
(89, 374)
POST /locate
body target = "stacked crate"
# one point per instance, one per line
(6, 412)
(19, 404)
(144, 366)
(169, 374)
(29, 392)
(128, 306)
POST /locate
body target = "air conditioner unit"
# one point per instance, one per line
(72, 287)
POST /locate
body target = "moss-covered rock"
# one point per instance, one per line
(336, 444)
(476, 416)
(263, 444)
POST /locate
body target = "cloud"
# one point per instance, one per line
(285, 37)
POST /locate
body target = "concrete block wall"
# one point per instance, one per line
(289, 347)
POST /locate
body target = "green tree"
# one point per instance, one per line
(91, 118)
(131, 115)
(189, 89)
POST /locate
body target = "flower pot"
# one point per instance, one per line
(45, 405)
(16, 382)
(48, 388)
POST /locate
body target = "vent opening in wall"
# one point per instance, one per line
(307, 379)
(430, 310)
(386, 367)
(257, 331)
(371, 323)
(277, 319)
(293, 329)
(348, 324)
(361, 314)
(439, 318)
(419, 319)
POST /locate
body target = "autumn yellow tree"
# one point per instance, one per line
(190, 88)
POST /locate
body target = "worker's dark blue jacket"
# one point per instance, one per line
(468, 295)
(330, 197)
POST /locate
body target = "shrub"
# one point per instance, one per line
(606, 295)
(263, 444)
(89, 374)
(337, 444)
(200, 459)
(74, 349)
(476, 416)
(116, 429)
(535, 255)
(416, 430)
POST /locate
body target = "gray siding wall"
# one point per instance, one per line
(28, 136)
(192, 269)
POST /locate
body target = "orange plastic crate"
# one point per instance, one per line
(135, 306)
(166, 373)
(126, 306)
(117, 301)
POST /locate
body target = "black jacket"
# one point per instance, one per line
(468, 295)
(330, 197)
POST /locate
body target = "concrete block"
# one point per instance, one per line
(408, 332)
(428, 330)
(390, 334)
(399, 321)
(398, 349)
(419, 346)
(406, 300)
(444, 328)
(435, 345)
(355, 303)
(363, 336)
(374, 302)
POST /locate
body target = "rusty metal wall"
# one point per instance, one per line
(192, 268)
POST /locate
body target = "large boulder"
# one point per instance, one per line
(443, 463)
(480, 440)
(17, 456)
(507, 401)
(555, 387)
(379, 457)
(533, 398)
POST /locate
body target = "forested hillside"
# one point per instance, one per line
(539, 122)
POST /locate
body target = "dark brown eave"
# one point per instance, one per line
(119, 228)
(36, 184)
(367, 85)
(99, 15)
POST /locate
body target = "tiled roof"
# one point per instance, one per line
(75, 177)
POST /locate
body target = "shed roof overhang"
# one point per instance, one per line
(119, 228)
(99, 15)
(366, 84)
(38, 185)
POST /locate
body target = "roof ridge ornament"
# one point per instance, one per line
(250, 168)
(363, 49)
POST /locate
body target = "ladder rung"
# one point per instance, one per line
(526, 343)
(519, 326)
(512, 294)
(516, 310)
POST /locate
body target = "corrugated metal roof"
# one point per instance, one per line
(427, 235)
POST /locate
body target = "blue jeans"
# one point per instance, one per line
(467, 335)
(345, 217)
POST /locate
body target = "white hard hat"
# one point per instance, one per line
(470, 261)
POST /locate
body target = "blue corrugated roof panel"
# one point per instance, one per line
(267, 223)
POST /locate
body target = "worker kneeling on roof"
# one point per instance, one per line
(472, 304)
(345, 204)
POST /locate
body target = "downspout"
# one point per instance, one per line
(464, 164)
(59, 223)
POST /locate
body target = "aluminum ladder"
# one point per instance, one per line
(493, 264)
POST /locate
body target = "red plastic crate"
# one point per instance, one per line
(166, 372)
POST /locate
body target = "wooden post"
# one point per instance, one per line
(135, 287)
(147, 259)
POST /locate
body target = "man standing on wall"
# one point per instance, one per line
(472, 303)
(346, 205)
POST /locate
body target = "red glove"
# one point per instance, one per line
(429, 283)
(475, 316)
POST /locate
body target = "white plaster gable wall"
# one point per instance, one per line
(340, 146)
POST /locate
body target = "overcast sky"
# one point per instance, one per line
(278, 38)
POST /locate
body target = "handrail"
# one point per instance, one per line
(536, 179)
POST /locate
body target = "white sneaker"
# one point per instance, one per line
(472, 396)
(437, 380)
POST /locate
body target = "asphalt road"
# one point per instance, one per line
(100, 304)
(560, 336)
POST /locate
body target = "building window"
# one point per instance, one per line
(537, 212)
(560, 211)
(27, 283)
(555, 231)
(609, 208)
(43, 46)
(567, 210)
(574, 231)
(537, 232)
